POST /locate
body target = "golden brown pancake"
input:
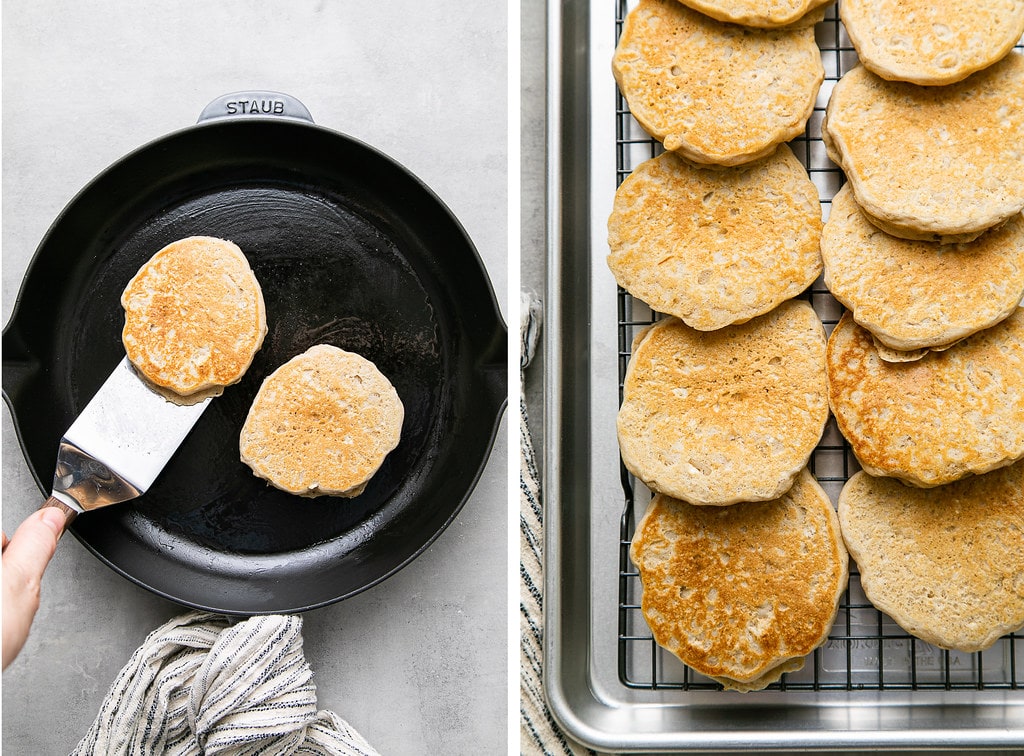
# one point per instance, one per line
(735, 592)
(194, 316)
(917, 294)
(322, 424)
(935, 163)
(933, 421)
(946, 563)
(931, 43)
(719, 417)
(715, 93)
(764, 14)
(715, 247)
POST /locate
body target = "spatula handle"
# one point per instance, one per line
(69, 513)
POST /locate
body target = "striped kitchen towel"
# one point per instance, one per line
(539, 734)
(201, 684)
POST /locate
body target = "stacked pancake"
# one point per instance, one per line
(930, 43)
(716, 247)
(925, 244)
(758, 13)
(925, 248)
(715, 92)
(946, 563)
(919, 295)
(742, 593)
(727, 416)
(939, 163)
(739, 552)
(725, 398)
(932, 421)
(721, 403)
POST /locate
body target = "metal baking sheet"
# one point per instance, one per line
(871, 685)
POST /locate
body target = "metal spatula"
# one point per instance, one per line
(118, 445)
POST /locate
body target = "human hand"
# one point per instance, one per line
(25, 557)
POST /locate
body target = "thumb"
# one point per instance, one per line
(25, 558)
(34, 543)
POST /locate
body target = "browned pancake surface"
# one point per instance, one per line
(917, 294)
(719, 417)
(716, 93)
(194, 316)
(715, 247)
(933, 163)
(935, 420)
(946, 563)
(931, 43)
(736, 591)
(765, 14)
(322, 423)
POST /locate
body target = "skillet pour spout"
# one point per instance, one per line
(350, 249)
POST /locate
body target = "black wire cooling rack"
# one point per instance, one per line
(866, 650)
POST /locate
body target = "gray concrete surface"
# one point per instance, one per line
(418, 663)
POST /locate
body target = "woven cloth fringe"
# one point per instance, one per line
(202, 685)
(538, 731)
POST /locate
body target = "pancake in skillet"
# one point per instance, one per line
(938, 419)
(194, 316)
(322, 424)
(742, 593)
(715, 247)
(946, 563)
(715, 93)
(719, 417)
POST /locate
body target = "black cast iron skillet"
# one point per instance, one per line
(350, 249)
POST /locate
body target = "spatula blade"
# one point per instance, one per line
(120, 442)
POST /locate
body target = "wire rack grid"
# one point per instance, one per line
(866, 650)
